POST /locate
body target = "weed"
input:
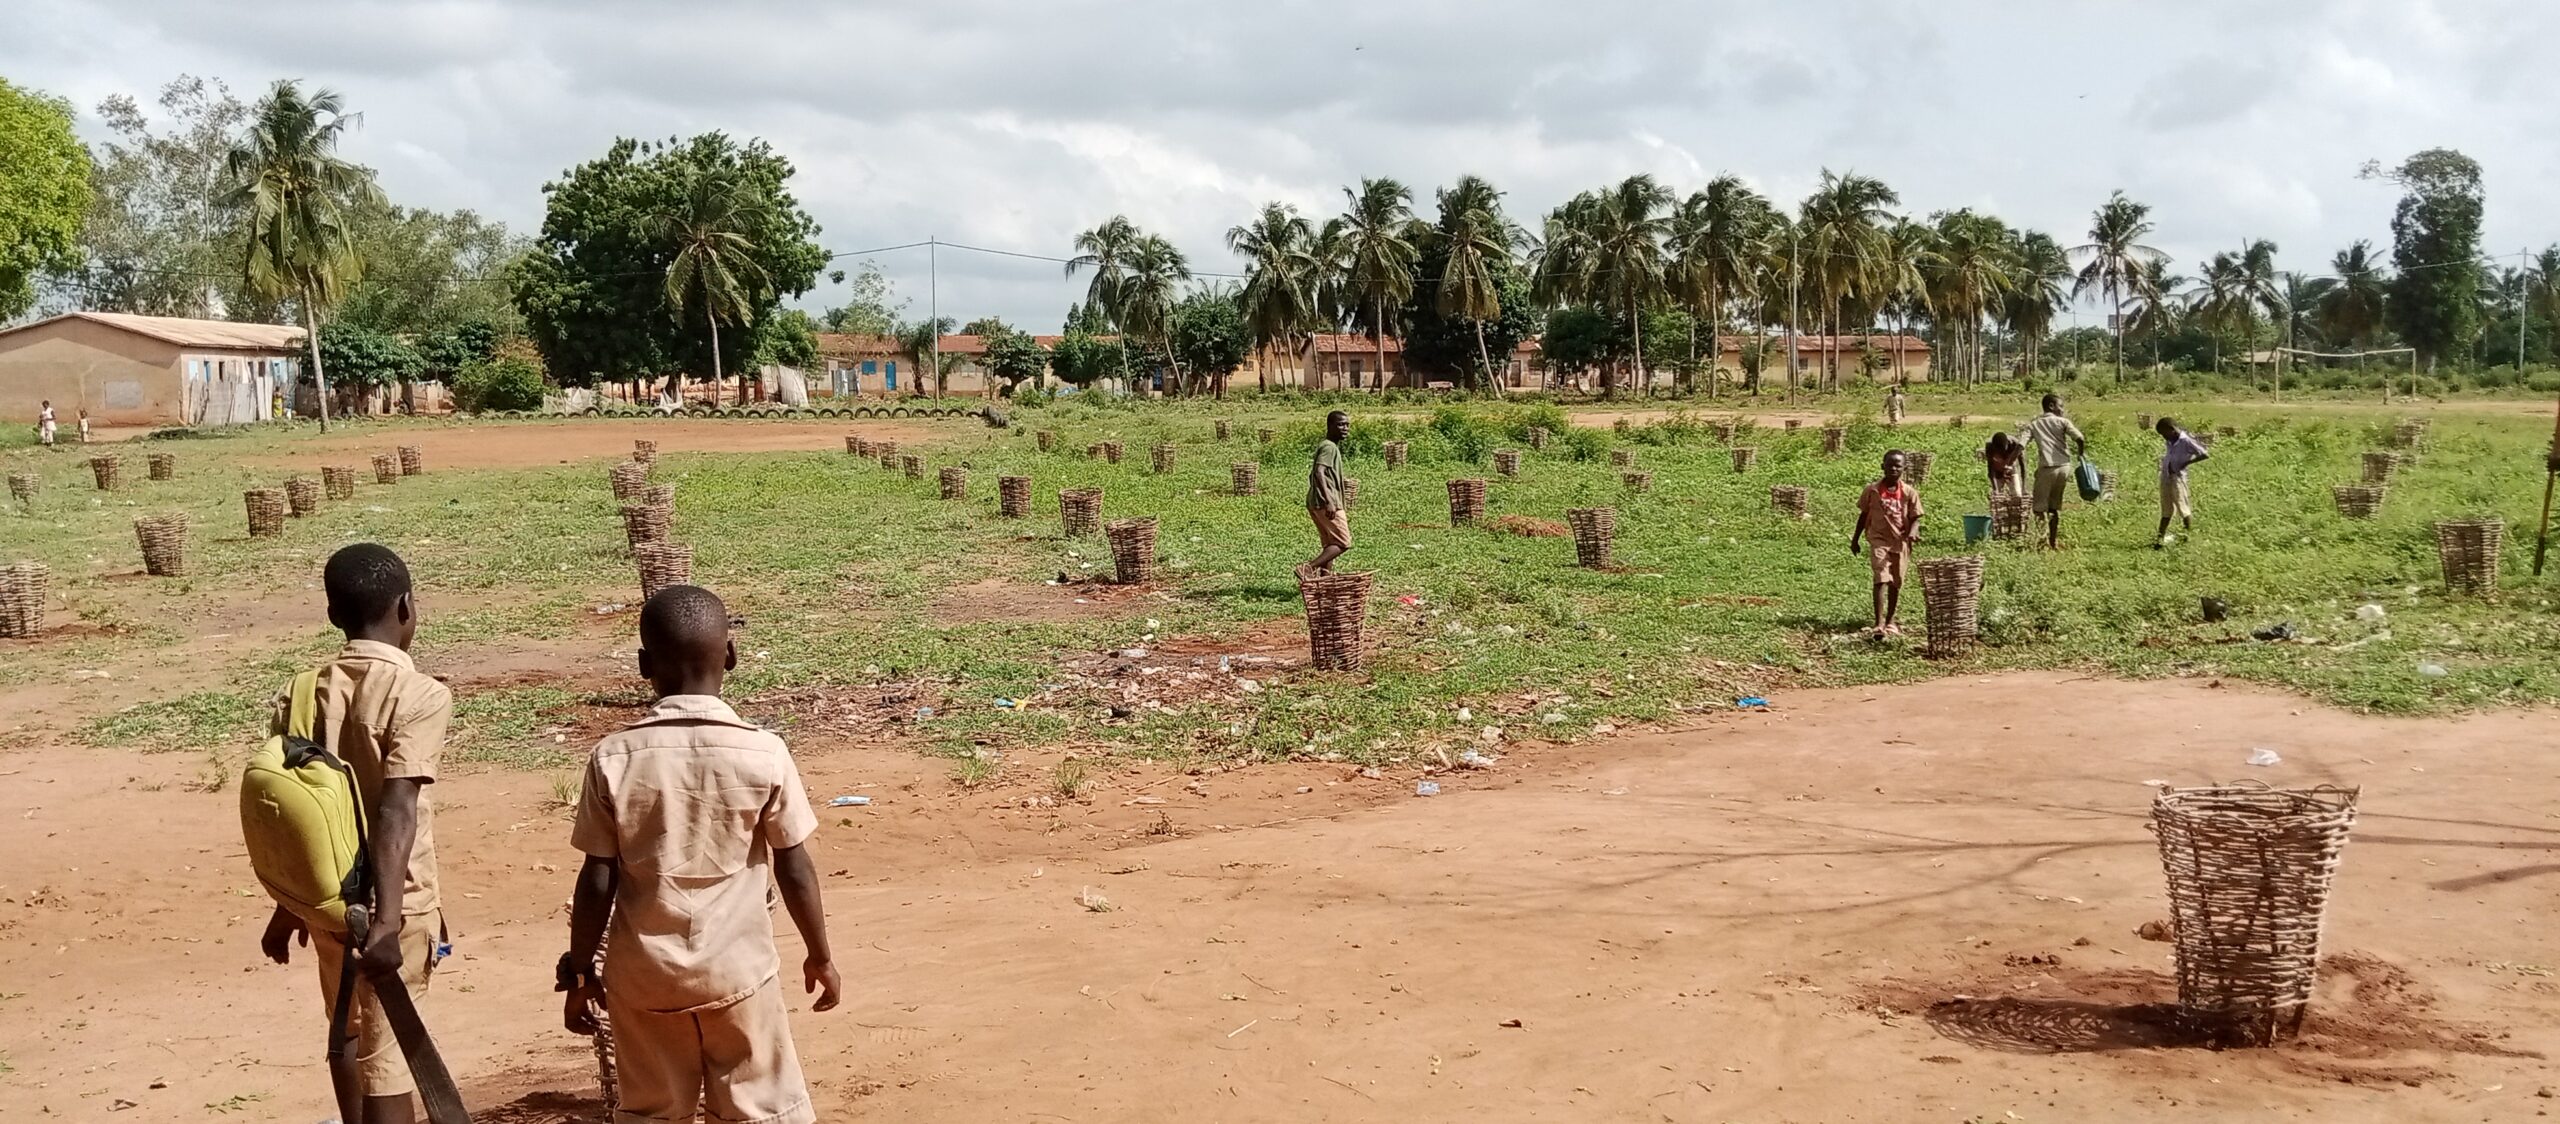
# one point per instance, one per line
(974, 770)
(564, 790)
(214, 775)
(236, 1103)
(1070, 778)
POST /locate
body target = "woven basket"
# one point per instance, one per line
(1245, 478)
(266, 507)
(2408, 433)
(644, 450)
(955, 483)
(1335, 603)
(2106, 486)
(645, 522)
(2226, 431)
(164, 544)
(1952, 588)
(2009, 516)
(1744, 457)
(22, 488)
(1350, 492)
(1226, 429)
(2142, 421)
(1111, 452)
(109, 470)
(1506, 461)
(1395, 452)
(412, 461)
(1048, 439)
(1834, 439)
(1789, 500)
(1595, 531)
(22, 596)
(2468, 551)
(1795, 423)
(2358, 501)
(1622, 458)
(912, 465)
(1538, 437)
(1160, 457)
(662, 564)
(857, 445)
(1638, 481)
(886, 452)
(1080, 510)
(2378, 466)
(386, 468)
(627, 479)
(163, 466)
(1013, 497)
(302, 496)
(339, 481)
(1264, 435)
(2249, 871)
(1133, 548)
(1466, 501)
(1723, 431)
(1916, 466)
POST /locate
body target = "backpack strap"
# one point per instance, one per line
(302, 706)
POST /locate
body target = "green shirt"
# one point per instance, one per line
(1324, 479)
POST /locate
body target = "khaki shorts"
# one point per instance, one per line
(1887, 562)
(736, 1060)
(384, 1068)
(2175, 503)
(1333, 528)
(2051, 484)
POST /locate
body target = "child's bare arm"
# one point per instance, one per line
(798, 878)
(395, 831)
(589, 905)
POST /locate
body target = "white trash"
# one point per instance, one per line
(2263, 756)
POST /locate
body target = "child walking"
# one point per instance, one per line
(2175, 501)
(683, 815)
(1889, 520)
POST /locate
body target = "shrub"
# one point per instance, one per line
(508, 382)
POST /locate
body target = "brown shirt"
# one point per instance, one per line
(387, 719)
(692, 801)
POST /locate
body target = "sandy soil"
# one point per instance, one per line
(1762, 917)
(532, 444)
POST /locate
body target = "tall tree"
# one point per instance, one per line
(1207, 336)
(921, 343)
(1904, 264)
(1475, 243)
(2220, 300)
(1972, 273)
(157, 239)
(2542, 287)
(1376, 240)
(431, 271)
(293, 193)
(1716, 243)
(44, 192)
(2435, 234)
(1148, 294)
(715, 267)
(2036, 294)
(1281, 274)
(1841, 226)
(871, 306)
(2115, 261)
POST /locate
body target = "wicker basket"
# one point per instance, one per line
(1790, 500)
(1595, 531)
(1915, 465)
(1744, 457)
(1013, 497)
(663, 495)
(1160, 457)
(1111, 452)
(857, 445)
(339, 481)
(2142, 421)
(645, 522)
(2408, 433)
(1336, 604)
(1395, 452)
(2106, 486)
(662, 564)
(912, 465)
(1539, 435)
(2358, 501)
(266, 508)
(1834, 440)
(1622, 458)
(1093, 452)
(2468, 551)
(412, 461)
(1795, 424)
(1226, 429)
(955, 483)
(1637, 481)
(1264, 435)
(2378, 466)
(22, 596)
(164, 544)
(1048, 439)
(1723, 431)
(1466, 501)
(1080, 510)
(1506, 461)
(1245, 478)
(886, 452)
(2226, 431)
(302, 496)
(1952, 588)
(109, 470)
(163, 466)
(2009, 516)
(627, 479)
(1133, 548)
(644, 450)
(386, 468)
(1350, 492)
(2249, 871)
(22, 488)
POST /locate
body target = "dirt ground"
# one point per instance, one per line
(1893, 904)
(534, 444)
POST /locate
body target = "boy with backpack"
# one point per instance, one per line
(682, 815)
(385, 720)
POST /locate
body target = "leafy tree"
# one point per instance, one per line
(1715, 242)
(1475, 250)
(1606, 248)
(44, 193)
(1013, 357)
(363, 357)
(2036, 294)
(1282, 278)
(788, 338)
(1906, 259)
(715, 264)
(872, 310)
(447, 351)
(921, 343)
(1156, 272)
(2542, 286)
(1840, 228)
(593, 288)
(426, 271)
(1437, 343)
(1580, 338)
(512, 379)
(157, 240)
(1083, 359)
(1970, 275)
(2116, 262)
(1209, 337)
(2435, 232)
(1376, 244)
(1085, 318)
(293, 193)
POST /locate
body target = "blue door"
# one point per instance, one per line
(892, 376)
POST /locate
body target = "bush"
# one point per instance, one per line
(508, 382)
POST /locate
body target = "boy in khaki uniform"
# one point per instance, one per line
(682, 815)
(386, 720)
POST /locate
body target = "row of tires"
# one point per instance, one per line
(772, 414)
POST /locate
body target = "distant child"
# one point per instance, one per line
(1889, 520)
(1893, 405)
(2001, 457)
(44, 424)
(386, 720)
(2175, 501)
(84, 425)
(683, 815)
(1325, 504)
(2056, 440)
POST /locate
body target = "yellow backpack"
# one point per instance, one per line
(303, 818)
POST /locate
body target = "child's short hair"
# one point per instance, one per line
(2052, 402)
(2166, 424)
(683, 617)
(363, 582)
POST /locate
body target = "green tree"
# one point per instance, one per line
(787, 338)
(1841, 230)
(362, 357)
(2116, 262)
(1716, 242)
(1580, 338)
(872, 308)
(426, 271)
(711, 226)
(1281, 278)
(157, 239)
(1905, 261)
(1606, 248)
(921, 342)
(512, 379)
(293, 193)
(1013, 357)
(2434, 301)
(1970, 275)
(2036, 294)
(44, 193)
(445, 352)
(1475, 244)
(1082, 358)
(1209, 336)
(2542, 287)
(1376, 242)
(1148, 294)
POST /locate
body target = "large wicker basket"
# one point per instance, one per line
(1160, 457)
(163, 466)
(1834, 439)
(886, 452)
(2249, 871)
(1264, 435)
(413, 462)
(1080, 510)
(2358, 501)
(386, 468)
(2468, 551)
(662, 564)
(108, 470)
(627, 479)
(1915, 465)
(1350, 492)
(2009, 516)
(1640, 480)
(1595, 532)
(1395, 452)
(1226, 429)
(1336, 604)
(1622, 458)
(1539, 435)
(645, 522)
(955, 482)
(22, 596)
(857, 445)
(1244, 478)
(644, 450)
(2378, 465)
(912, 465)
(1013, 497)
(2408, 433)
(1723, 431)
(164, 544)
(302, 496)
(1744, 458)
(1506, 461)
(1047, 439)
(1111, 451)
(2142, 421)
(1790, 500)
(23, 487)
(339, 481)
(2106, 486)
(266, 507)
(1466, 501)
(663, 495)
(1952, 588)
(1133, 548)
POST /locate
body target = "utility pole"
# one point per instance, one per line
(2524, 258)
(1795, 266)
(933, 305)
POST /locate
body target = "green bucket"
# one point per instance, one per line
(1977, 528)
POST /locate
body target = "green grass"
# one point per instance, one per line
(836, 564)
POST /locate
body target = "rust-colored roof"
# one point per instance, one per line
(1354, 343)
(1732, 342)
(224, 334)
(843, 344)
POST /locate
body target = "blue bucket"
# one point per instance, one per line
(1977, 528)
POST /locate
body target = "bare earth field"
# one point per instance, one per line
(564, 442)
(1889, 904)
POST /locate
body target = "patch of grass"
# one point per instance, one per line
(1070, 778)
(201, 720)
(239, 1102)
(507, 726)
(975, 769)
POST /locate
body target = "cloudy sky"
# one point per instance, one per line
(1014, 125)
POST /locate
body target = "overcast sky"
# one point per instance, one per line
(1015, 125)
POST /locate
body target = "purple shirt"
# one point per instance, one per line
(2182, 452)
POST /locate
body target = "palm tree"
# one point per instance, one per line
(1904, 263)
(1478, 240)
(1378, 254)
(1281, 277)
(1842, 227)
(284, 178)
(922, 343)
(1105, 250)
(1973, 274)
(1148, 292)
(2116, 261)
(2542, 286)
(1624, 254)
(2152, 306)
(2036, 293)
(2221, 299)
(715, 258)
(1715, 243)
(2349, 305)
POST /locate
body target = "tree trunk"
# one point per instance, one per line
(319, 377)
(1378, 326)
(1484, 359)
(714, 321)
(2115, 317)
(1715, 345)
(1644, 378)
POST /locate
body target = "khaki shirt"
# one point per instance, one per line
(692, 801)
(386, 719)
(2052, 435)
